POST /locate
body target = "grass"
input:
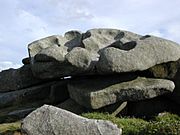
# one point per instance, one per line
(10, 128)
(130, 126)
(167, 124)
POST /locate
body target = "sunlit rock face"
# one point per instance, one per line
(105, 70)
(99, 51)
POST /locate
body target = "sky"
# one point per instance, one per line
(23, 21)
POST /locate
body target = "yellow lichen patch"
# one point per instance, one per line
(10, 127)
(159, 71)
(166, 70)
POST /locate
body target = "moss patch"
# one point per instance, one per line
(167, 124)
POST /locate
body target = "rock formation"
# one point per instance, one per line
(104, 70)
(49, 120)
(98, 93)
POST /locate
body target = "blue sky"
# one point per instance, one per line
(23, 21)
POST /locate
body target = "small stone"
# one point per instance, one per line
(26, 61)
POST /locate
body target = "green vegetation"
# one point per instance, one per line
(167, 124)
(10, 128)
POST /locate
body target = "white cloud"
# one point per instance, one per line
(102, 21)
(24, 21)
(33, 25)
(156, 33)
(58, 12)
(160, 18)
(7, 64)
(173, 32)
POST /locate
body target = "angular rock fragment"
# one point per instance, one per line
(97, 93)
(50, 70)
(70, 40)
(146, 54)
(78, 61)
(36, 46)
(26, 61)
(103, 66)
(55, 121)
(41, 92)
(116, 109)
(52, 53)
(119, 109)
(16, 79)
(170, 70)
(165, 70)
(103, 51)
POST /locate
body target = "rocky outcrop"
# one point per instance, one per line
(36, 46)
(104, 70)
(98, 93)
(103, 51)
(15, 79)
(14, 104)
(52, 53)
(139, 58)
(25, 95)
(55, 121)
(97, 39)
(166, 70)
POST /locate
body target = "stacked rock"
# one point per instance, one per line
(100, 70)
(21, 93)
